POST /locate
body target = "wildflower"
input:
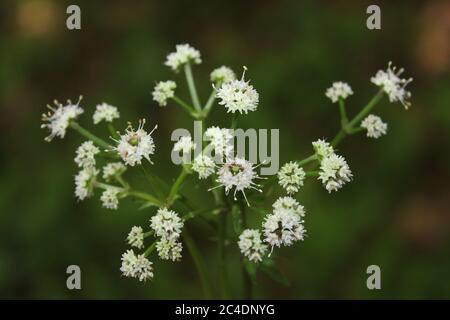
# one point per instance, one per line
(163, 91)
(105, 112)
(84, 182)
(283, 227)
(375, 126)
(291, 177)
(59, 120)
(166, 224)
(222, 75)
(134, 145)
(169, 249)
(184, 54)
(184, 144)
(136, 266)
(204, 166)
(339, 90)
(393, 85)
(238, 173)
(288, 204)
(238, 95)
(85, 154)
(322, 148)
(334, 172)
(110, 198)
(251, 245)
(112, 170)
(136, 237)
(221, 141)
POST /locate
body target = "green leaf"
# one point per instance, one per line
(158, 186)
(269, 267)
(237, 220)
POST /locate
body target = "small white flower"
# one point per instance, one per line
(238, 173)
(85, 154)
(238, 95)
(291, 177)
(288, 204)
(166, 224)
(322, 148)
(84, 182)
(184, 144)
(184, 54)
(169, 249)
(222, 75)
(251, 245)
(221, 141)
(105, 112)
(110, 198)
(135, 145)
(375, 126)
(113, 169)
(339, 90)
(59, 120)
(204, 166)
(393, 85)
(334, 172)
(283, 227)
(135, 237)
(163, 91)
(136, 266)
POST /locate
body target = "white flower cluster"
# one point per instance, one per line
(112, 170)
(60, 119)
(135, 237)
(184, 54)
(164, 90)
(334, 172)
(393, 85)
(136, 266)
(375, 126)
(339, 90)
(291, 177)
(167, 225)
(105, 112)
(251, 245)
(110, 198)
(184, 144)
(221, 141)
(322, 148)
(134, 145)
(204, 166)
(238, 95)
(222, 75)
(84, 182)
(85, 154)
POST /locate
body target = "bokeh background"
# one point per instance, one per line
(395, 214)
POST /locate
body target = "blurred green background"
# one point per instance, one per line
(395, 214)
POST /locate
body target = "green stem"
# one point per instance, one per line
(176, 186)
(102, 143)
(234, 120)
(201, 269)
(222, 253)
(307, 160)
(150, 249)
(209, 103)
(191, 85)
(112, 131)
(186, 107)
(312, 174)
(248, 286)
(372, 103)
(147, 197)
(343, 112)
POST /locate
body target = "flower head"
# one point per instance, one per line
(113, 169)
(184, 54)
(110, 199)
(334, 172)
(238, 95)
(85, 154)
(339, 90)
(204, 166)
(136, 266)
(251, 245)
(222, 75)
(169, 249)
(283, 227)
(136, 237)
(105, 112)
(288, 204)
(163, 91)
(134, 145)
(59, 120)
(221, 141)
(375, 126)
(291, 177)
(166, 224)
(393, 85)
(184, 144)
(238, 173)
(322, 148)
(84, 182)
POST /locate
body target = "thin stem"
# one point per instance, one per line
(222, 253)
(150, 249)
(209, 103)
(234, 120)
(176, 186)
(248, 286)
(307, 160)
(186, 107)
(312, 174)
(112, 131)
(147, 197)
(191, 85)
(372, 103)
(343, 112)
(201, 269)
(102, 143)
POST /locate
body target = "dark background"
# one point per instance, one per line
(395, 214)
